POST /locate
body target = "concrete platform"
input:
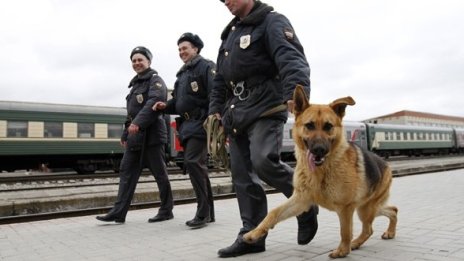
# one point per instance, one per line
(72, 198)
(430, 227)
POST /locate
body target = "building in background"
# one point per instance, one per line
(415, 118)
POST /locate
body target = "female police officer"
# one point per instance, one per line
(144, 139)
(190, 101)
(260, 62)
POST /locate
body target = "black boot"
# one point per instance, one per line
(197, 222)
(161, 217)
(239, 247)
(111, 218)
(307, 225)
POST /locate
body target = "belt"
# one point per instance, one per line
(191, 114)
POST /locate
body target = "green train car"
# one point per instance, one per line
(84, 138)
(391, 140)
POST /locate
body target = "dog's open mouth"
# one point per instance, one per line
(313, 159)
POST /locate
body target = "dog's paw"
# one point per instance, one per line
(355, 245)
(388, 235)
(338, 253)
(253, 236)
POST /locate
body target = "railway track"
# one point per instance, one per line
(63, 176)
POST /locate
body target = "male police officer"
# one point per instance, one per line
(260, 62)
(190, 101)
(144, 139)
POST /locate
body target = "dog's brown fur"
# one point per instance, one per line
(334, 174)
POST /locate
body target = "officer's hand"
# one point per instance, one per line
(123, 143)
(290, 105)
(159, 106)
(133, 129)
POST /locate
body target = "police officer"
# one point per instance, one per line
(144, 139)
(260, 62)
(190, 101)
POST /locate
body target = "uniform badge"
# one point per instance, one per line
(139, 98)
(245, 41)
(158, 85)
(213, 72)
(289, 34)
(194, 86)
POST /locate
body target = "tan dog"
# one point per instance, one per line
(334, 174)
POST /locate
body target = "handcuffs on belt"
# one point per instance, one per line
(239, 90)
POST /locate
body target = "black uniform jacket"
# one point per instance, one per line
(146, 89)
(261, 50)
(191, 97)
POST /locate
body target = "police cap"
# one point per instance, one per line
(192, 38)
(143, 51)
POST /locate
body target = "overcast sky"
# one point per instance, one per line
(389, 55)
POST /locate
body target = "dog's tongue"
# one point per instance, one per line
(310, 159)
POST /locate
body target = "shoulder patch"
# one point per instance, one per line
(157, 85)
(289, 34)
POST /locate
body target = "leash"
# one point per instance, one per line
(216, 137)
(278, 108)
(216, 141)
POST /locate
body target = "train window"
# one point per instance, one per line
(115, 130)
(398, 136)
(53, 129)
(405, 135)
(386, 136)
(17, 129)
(85, 130)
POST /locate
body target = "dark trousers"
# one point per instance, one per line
(129, 173)
(195, 157)
(255, 156)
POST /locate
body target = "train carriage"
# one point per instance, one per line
(288, 146)
(390, 140)
(85, 138)
(459, 138)
(356, 133)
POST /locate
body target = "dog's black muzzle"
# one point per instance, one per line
(319, 149)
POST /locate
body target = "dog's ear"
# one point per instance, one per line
(339, 105)
(300, 99)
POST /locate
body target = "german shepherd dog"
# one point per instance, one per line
(334, 174)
